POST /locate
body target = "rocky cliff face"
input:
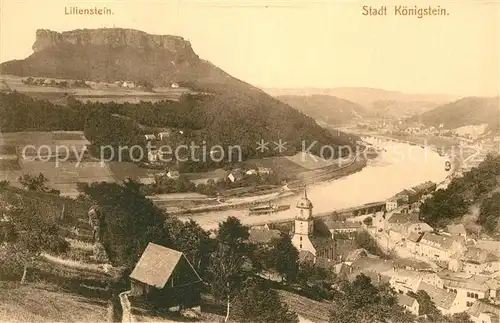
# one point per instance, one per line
(114, 38)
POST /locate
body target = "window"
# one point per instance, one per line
(300, 247)
(476, 296)
(469, 304)
(300, 238)
(468, 294)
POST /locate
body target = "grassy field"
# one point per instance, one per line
(98, 92)
(45, 303)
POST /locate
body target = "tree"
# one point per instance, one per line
(490, 212)
(30, 234)
(360, 301)
(368, 221)
(284, 257)
(34, 183)
(227, 272)
(128, 221)
(309, 273)
(257, 303)
(192, 240)
(364, 240)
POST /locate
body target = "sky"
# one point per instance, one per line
(298, 43)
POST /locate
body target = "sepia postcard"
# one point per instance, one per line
(250, 161)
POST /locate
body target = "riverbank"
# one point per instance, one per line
(380, 179)
(312, 177)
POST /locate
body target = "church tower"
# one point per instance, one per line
(304, 226)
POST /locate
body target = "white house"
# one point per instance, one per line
(174, 85)
(409, 303)
(128, 84)
(468, 288)
(393, 204)
(150, 137)
(475, 261)
(439, 247)
(445, 301)
(173, 174)
(163, 135)
(482, 312)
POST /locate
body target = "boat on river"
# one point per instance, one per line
(268, 209)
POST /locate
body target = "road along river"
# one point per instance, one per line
(400, 166)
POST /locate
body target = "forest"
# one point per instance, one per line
(474, 188)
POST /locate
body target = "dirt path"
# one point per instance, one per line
(126, 307)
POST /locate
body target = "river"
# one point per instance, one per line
(400, 166)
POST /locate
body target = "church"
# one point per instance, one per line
(310, 235)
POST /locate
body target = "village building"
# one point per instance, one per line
(165, 277)
(306, 256)
(150, 137)
(394, 203)
(456, 229)
(468, 288)
(264, 170)
(409, 303)
(236, 175)
(251, 172)
(263, 235)
(483, 312)
(491, 246)
(345, 227)
(174, 85)
(439, 247)
(173, 174)
(409, 196)
(163, 135)
(475, 261)
(128, 84)
(404, 281)
(402, 225)
(445, 301)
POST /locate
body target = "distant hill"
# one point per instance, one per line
(464, 112)
(328, 109)
(376, 101)
(235, 112)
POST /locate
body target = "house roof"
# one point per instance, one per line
(440, 297)
(305, 256)
(490, 245)
(479, 256)
(409, 192)
(156, 265)
(258, 235)
(399, 218)
(417, 265)
(406, 300)
(415, 237)
(481, 307)
(321, 242)
(440, 241)
(332, 225)
(456, 228)
(356, 254)
(465, 281)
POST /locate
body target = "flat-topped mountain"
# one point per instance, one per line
(235, 113)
